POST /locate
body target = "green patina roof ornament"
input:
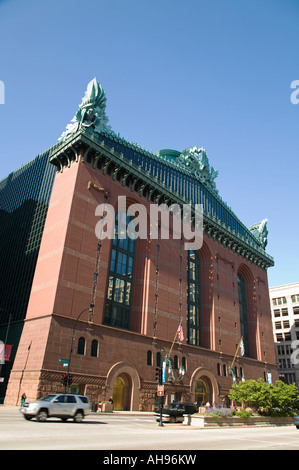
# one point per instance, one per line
(260, 231)
(195, 159)
(91, 112)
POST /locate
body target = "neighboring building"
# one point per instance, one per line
(24, 199)
(119, 302)
(285, 318)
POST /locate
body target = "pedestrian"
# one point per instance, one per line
(23, 398)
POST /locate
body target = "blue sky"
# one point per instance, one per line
(210, 73)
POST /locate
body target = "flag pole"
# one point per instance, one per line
(173, 342)
(237, 351)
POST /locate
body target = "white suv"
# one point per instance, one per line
(58, 405)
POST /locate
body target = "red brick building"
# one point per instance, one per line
(140, 290)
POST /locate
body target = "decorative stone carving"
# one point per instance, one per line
(196, 160)
(91, 112)
(260, 231)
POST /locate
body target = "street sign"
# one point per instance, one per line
(164, 371)
(269, 378)
(160, 390)
(65, 362)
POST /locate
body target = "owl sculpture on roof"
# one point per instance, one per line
(91, 112)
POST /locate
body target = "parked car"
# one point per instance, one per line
(57, 405)
(174, 412)
(296, 421)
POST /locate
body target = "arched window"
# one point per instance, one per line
(193, 299)
(243, 313)
(159, 359)
(175, 362)
(94, 348)
(118, 303)
(149, 358)
(184, 364)
(81, 346)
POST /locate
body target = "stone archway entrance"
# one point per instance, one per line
(204, 387)
(201, 392)
(123, 385)
(122, 392)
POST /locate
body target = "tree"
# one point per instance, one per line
(261, 395)
(255, 393)
(284, 395)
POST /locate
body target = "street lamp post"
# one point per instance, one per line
(90, 309)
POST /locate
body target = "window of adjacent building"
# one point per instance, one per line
(119, 292)
(296, 310)
(286, 324)
(278, 325)
(243, 313)
(284, 312)
(279, 301)
(276, 313)
(295, 298)
(193, 299)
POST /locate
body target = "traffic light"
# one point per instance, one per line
(70, 380)
(64, 379)
(159, 374)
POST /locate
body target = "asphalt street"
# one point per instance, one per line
(134, 431)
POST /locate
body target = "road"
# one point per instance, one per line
(130, 431)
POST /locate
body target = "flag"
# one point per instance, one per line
(242, 347)
(180, 332)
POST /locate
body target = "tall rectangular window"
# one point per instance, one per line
(119, 291)
(243, 313)
(193, 299)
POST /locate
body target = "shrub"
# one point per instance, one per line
(261, 395)
(243, 413)
(221, 412)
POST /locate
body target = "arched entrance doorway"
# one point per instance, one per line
(118, 393)
(123, 385)
(204, 387)
(122, 392)
(201, 392)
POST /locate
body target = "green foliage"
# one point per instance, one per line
(262, 396)
(244, 413)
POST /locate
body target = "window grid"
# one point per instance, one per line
(119, 291)
(194, 327)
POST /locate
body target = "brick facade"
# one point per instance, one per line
(62, 288)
